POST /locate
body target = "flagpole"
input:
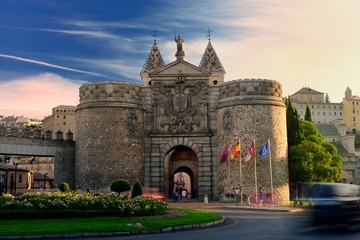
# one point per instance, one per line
(271, 177)
(228, 162)
(255, 166)
(240, 172)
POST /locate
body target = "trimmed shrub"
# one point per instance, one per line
(120, 185)
(64, 187)
(136, 190)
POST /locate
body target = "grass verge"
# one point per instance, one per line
(101, 224)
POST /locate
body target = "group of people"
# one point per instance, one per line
(179, 192)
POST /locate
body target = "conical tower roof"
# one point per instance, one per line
(154, 60)
(210, 61)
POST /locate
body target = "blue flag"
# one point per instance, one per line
(264, 151)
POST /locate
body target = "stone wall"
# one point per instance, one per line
(62, 151)
(110, 130)
(253, 110)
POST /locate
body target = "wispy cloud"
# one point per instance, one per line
(49, 65)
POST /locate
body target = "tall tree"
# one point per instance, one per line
(308, 114)
(294, 130)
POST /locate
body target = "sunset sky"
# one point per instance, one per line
(48, 49)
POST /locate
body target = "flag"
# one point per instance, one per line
(224, 154)
(264, 151)
(251, 152)
(235, 151)
(32, 161)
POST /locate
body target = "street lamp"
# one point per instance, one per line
(16, 164)
(45, 174)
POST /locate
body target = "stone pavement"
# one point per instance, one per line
(195, 204)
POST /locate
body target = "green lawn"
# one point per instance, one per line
(100, 224)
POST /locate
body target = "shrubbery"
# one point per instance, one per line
(115, 204)
(136, 190)
(120, 185)
(64, 187)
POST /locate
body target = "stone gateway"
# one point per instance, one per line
(177, 124)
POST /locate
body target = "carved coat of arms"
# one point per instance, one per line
(180, 106)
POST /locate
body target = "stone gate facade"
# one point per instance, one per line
(179, 120)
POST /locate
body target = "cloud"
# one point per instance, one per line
(35, 96)
(49, 65)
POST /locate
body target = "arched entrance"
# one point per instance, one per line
(183, 180)
(179, 161)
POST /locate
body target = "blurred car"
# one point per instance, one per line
(335, 203)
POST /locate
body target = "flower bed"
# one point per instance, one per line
(73, 204)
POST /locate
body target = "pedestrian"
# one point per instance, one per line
(176, 194)
(180, 191)
(184, 193)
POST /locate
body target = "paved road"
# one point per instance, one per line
(250, 225)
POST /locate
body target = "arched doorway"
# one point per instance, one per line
(181, 159)
(184, 180)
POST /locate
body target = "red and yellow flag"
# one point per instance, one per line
(235, 151)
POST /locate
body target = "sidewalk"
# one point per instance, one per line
(195, 204)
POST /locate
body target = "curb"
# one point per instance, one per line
(275, 209)
(112, 234)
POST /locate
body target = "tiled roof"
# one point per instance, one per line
(210, 61)
(327, 129)
(308, 90)
(154, 60)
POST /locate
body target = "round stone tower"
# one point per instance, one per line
(110, 135)
(252, 111)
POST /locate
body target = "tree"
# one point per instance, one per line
(136, 190)
(313, 162)
(314, 159)
(120, 185)
(308, 114)
(64, 187)
(294, 130)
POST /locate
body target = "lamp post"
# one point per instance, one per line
(45, 174)
(16, 164)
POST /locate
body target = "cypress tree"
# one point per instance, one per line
(308, 114)
(294, 130)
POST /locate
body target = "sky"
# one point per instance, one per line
(48, 49)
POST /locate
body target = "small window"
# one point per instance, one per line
(20, 178)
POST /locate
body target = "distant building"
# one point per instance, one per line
(62, 119)
(335, 122)
(321, 111)
(352, 109)
(335, 133)
(14, 179)
(37, 164)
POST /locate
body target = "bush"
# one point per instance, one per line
(136, 190)
(120, 185)
(72, 204)
(64, 187)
